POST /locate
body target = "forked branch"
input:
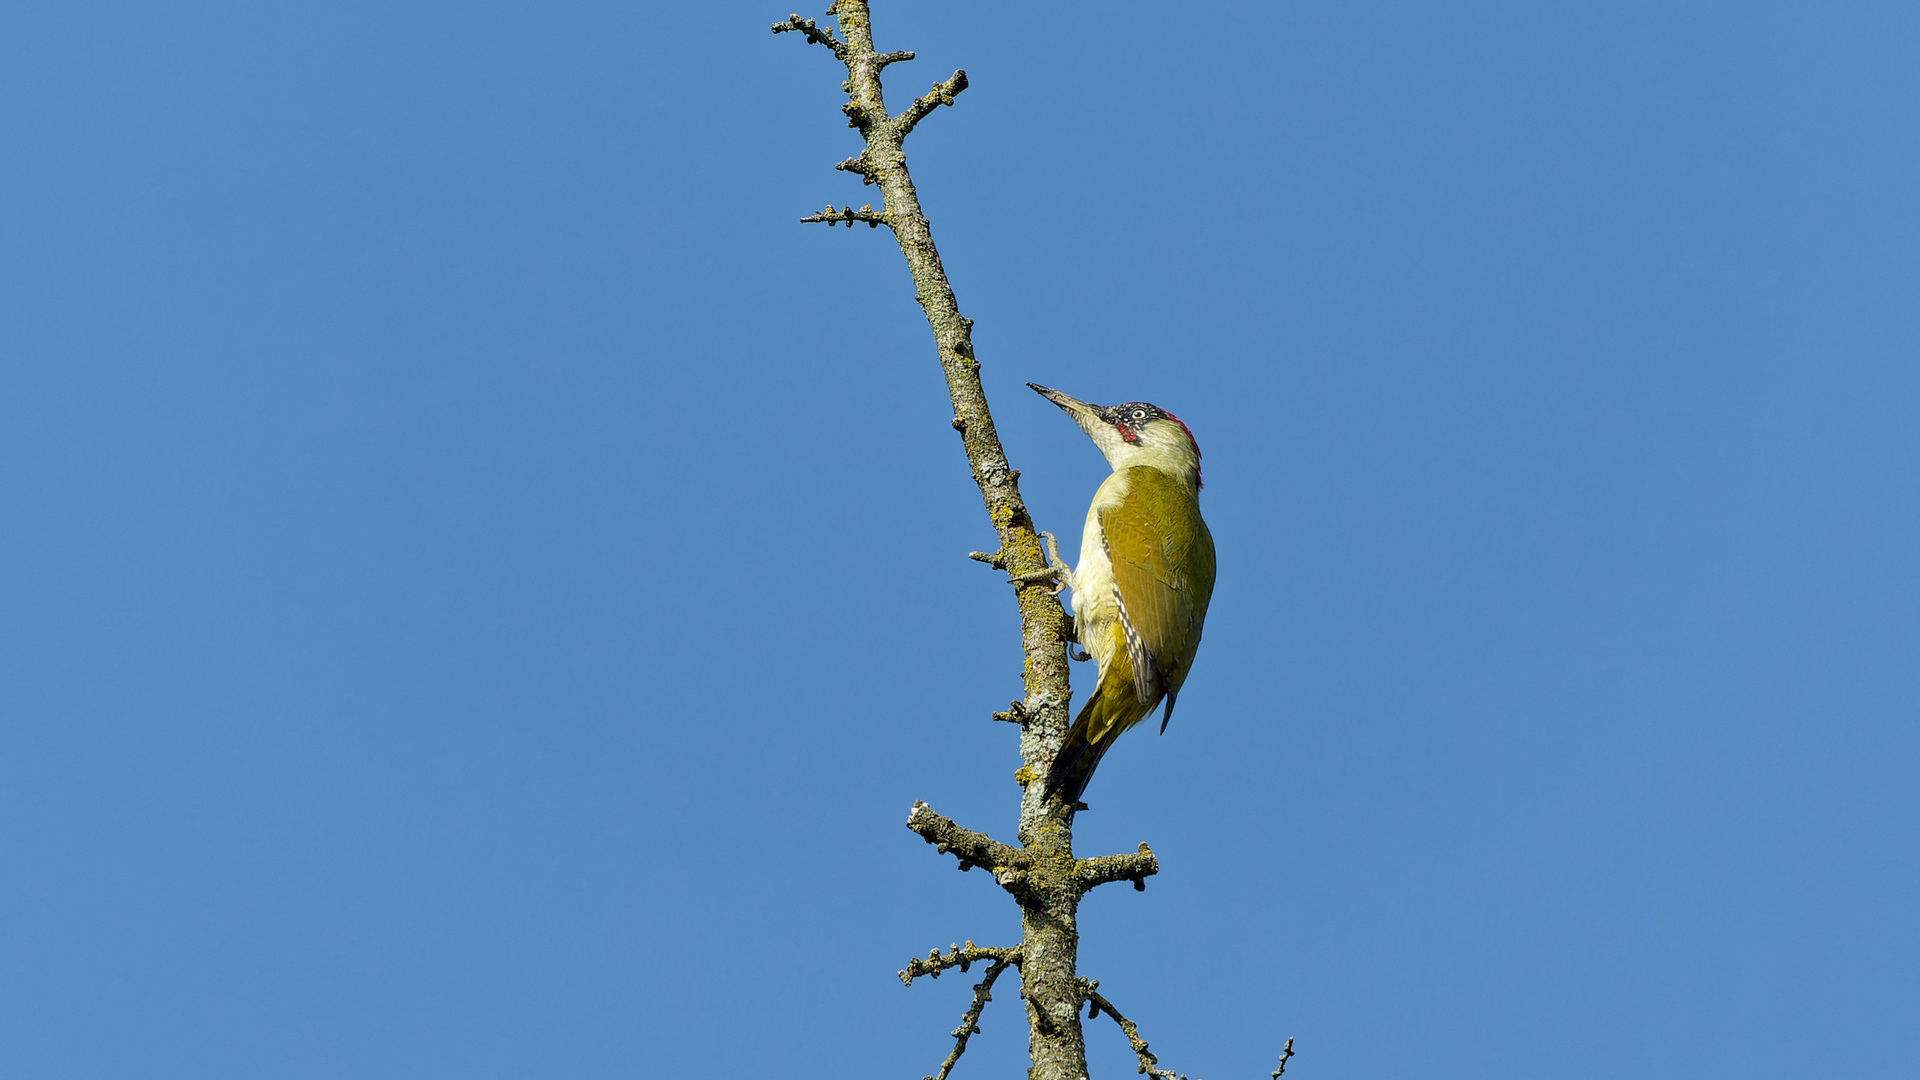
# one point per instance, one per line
(815, 35)
(970, 1020)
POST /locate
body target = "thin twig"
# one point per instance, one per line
(848, 215)
(1149, 1064)
(815, 35)
(970, 1020)
(1285, 1053)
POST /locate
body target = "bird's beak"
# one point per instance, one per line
(1081, 412)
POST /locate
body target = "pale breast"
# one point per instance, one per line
(1094, 607)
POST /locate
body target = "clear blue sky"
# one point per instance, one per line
(480, 585)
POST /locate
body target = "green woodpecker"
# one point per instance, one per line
(1145, 575)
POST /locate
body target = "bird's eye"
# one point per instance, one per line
(1139, 414)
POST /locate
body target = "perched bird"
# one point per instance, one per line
(1145, 575)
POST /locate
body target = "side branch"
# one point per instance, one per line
(960, 956)
(816, 35)
(971, 848)
(970, 1020)
(873, 218)
(1149, 1064)
(1090, 874)
(859, 166)
(942, 93)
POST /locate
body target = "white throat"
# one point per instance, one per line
(1162, 444)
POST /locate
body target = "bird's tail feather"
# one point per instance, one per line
(1079, 755)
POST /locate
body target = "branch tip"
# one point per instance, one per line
(1090, 874)
(1285, 1053)
(1149, 1063)
(815, 35)
(942, 93)
(858, 165)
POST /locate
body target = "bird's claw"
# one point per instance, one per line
(1055, 574)
(1055, 570)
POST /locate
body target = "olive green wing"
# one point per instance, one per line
(1163, 569)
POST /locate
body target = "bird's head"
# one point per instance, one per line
(1134, 433)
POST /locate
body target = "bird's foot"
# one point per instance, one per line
(1060, 576)
(1055, 570)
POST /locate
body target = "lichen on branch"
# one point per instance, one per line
(971, 848)
(1090, 874)
(956, 956)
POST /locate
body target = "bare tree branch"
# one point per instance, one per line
(858, 164)
(848, 215)
(942, 93)
(1090, 874)
(960, 956)
(1149, 1064)
(970, 1020)
(882, 162)
(971, 848)
(815, 35)
(1286, 1052)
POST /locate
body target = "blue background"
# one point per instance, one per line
(480, 585)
